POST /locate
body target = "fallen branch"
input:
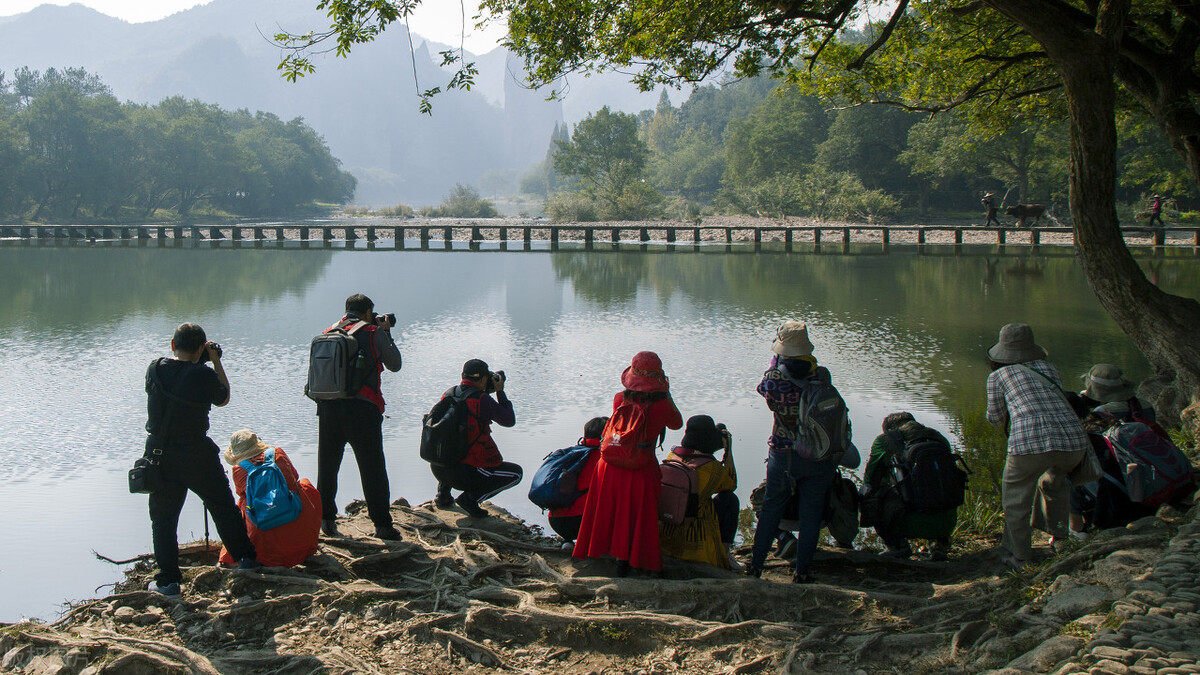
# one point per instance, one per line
(476, 652)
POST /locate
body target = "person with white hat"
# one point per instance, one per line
(1045, 441)
(784, 385)
(285, 545)
(1113, 393)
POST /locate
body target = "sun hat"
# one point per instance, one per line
(244, 444)
(701, 435)
(791, 340)
(645, 373)
(1016, 345)
(1105, 383)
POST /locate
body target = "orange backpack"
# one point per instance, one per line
(626, 441)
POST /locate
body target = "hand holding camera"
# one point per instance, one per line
(211, 351)
(495, 381)
(385, 321)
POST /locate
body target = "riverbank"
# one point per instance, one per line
(492, 595)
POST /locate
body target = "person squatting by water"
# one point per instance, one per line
(483, 473)
(895, 522)
(565, 520)
(285, 545)
(1045, 441)
(359, 422)
(708, 537)
(180, 393)
(620, 516)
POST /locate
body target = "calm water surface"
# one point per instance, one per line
(78, 325)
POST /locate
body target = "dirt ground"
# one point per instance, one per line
(465, 595)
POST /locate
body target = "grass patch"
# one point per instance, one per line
(1076, 629)
(609, 632)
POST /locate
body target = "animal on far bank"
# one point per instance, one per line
(1023, 212)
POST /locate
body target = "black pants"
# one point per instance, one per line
(193, 464)
(360, 424)
(476, 483)
(727, 506)
(566, 527)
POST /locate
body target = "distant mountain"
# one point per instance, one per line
(364, 106)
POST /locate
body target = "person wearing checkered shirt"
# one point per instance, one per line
(1045, 441)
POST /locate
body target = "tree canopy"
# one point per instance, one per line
(70, 150)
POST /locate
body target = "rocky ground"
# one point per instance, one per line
(464, 595)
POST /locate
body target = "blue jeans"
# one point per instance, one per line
(788, 472)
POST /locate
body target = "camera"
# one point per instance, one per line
(204, 353)
(391, 319)
(491, 380)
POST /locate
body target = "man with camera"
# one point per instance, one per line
(180, 393)
(483, 473)
(359, 421)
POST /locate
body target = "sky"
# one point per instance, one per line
(438, 20)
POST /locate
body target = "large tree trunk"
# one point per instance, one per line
(1164, 327)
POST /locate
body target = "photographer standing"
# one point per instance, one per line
(483, 473)
(180, 392)
(359, 422)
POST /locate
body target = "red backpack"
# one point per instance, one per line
(626, 441)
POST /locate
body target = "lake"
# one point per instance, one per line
(901, 330)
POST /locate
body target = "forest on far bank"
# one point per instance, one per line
(69, 150)
(758, 146)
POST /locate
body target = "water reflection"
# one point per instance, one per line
(79, 324)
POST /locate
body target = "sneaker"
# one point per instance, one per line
(568, 547)
(752, 571)
(443, 501)
(388, 532)
(171, 590)
(803, 579)
(249, 564)
(1059, 546)
(734, 565)
(329, 527)
(1080, 536)
(471, 506)
(787, 548)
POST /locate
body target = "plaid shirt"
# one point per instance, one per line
(1041, 419)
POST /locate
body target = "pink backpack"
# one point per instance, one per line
(680, 496)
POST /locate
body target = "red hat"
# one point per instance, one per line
(645, 374)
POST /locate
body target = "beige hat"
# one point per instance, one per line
(791, 340)
(244, 444)
(1105, 383)
(1016, 345)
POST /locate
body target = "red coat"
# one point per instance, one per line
(286, 545)
(620, 516)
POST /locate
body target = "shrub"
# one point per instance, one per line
(462, 202)
(571, 207)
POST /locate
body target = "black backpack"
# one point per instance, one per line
(444, 429)
(926, 472)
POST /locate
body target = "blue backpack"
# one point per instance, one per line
(556, 483)
(269, 502)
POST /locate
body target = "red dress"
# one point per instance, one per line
(620, 517)
(289, 544)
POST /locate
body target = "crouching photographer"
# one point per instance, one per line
(483, 473)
